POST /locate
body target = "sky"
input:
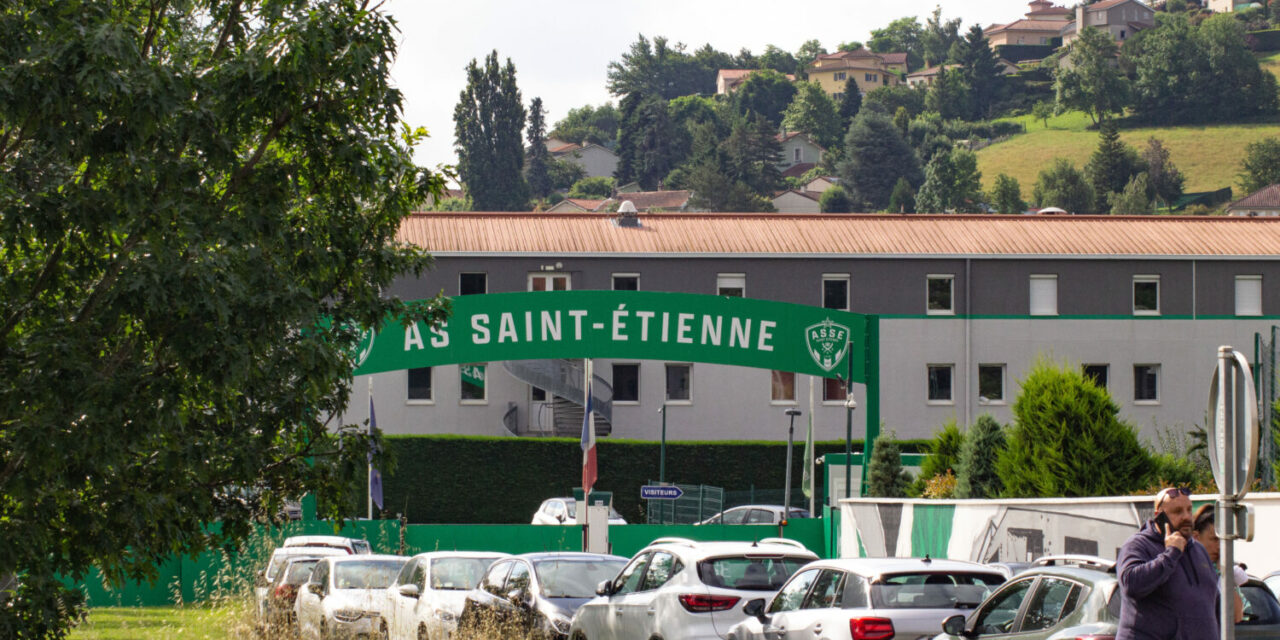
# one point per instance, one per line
(562, 48)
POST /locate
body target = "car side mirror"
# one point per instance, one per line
(560, 518)
(605, 588)
(410, 590)
(954, 626)
(260, 578)
(316, 588)
(755, 609)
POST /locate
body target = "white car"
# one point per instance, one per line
(676, 588)
(343, 598)
(565, 511)
(868, 599)
(426, 598)
(756, 514)
(267, 575)
(350, 545)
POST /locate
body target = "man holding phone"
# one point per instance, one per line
(1168, 587)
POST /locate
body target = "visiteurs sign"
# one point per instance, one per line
(631, 325)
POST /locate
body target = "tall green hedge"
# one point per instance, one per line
(465, 480)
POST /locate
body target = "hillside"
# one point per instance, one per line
(1208, 155)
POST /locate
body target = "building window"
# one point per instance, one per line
(1044, 295)
(1248, 295)
(835, 291)
(1122, 34)
(869, 77)
(833, 390)
(840, 75)
(782, 387)
(733, 285)
(1097, 373)
(626, 282)
(549, 282)
(419, 387)
(626, 382)
(940, 383)
(679, 382)
(990, 383)
(537, 394)
(473, 386)
(941, 289)
(1146, 383)
(797, 155)
(473, 284)
(1146, 295)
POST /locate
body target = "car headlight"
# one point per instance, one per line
(445, 616)
(351, 615)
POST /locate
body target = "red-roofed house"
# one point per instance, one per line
(1264, 202)
(728, 79)
(798, 148)
(1119, 18)
(792, 201)
(595, 160)
(1043, 22)
(869, 70)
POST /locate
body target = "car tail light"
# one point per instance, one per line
(702, 603)
(286, 592)
(870, 628)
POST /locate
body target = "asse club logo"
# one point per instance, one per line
(365, 347)
(826, 342)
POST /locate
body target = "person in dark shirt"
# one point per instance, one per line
(1207, 534)
(1168, 587)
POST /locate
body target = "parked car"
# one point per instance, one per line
(343, 597)
(282, 593)
(677, 588)
(868, 598)
(350, 545)
(1071, 597)
(1273, 581)
(756, 514)
(1009, 569)
(565, 511)
(267, 575)
(534, 594)
(426, 598)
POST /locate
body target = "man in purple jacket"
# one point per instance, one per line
(1168, 587)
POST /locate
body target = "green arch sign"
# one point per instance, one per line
(641, 325)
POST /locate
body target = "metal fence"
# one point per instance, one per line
(698, 503)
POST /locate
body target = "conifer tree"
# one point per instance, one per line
(1112, 165)
(903, 198)
(876, 155)
(488, 122)
(538, 162)
(1007, 195)
(885, 476)
(850, 103)
(976, 476)
(646, 141)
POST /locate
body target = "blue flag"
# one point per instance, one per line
(375, 478)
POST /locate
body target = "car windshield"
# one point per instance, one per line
(366, 574)
(1260, 606)
(458, 574)
(574, 578)
(573, 510)
(933, 590)
(749, 573)
(300, 571)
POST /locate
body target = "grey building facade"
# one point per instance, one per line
(958, 329)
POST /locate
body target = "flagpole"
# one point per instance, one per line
(808, 450)
(369, 470)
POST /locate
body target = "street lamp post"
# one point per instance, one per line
(849, 405)
(786, 495)
(662, 450)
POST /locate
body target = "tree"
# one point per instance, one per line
(750, 155)
(835, 200)
(886, 100)
(714, 191)
(1261, 165)
(1134, 199)
(805, 55)
(1068, 440)
(778, 60)
(876, 155)
(200, 219)
(764, 93)
(952, 183)
(902, 121)
(980, 72)
(885, 476)
(850, 103)
(488, 121)
(814, 112)
(1007, 195)
(900, 36)
(938, 38)
(1065, 187)
(976, 475)
(659, 69)
(1042, 111)
(1165, 179)
(948, 96)
(646, 141)
(588, 124)
(563, 173)
(1112, 165)
(944, 451)
(1092, 82)
(537, 164)
(903, 198)
(592, 188)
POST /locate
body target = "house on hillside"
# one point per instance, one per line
(595, 160)
(1041, 25)
(727, 80)
(1118, 18)
(1227, 6)
(797, 149)
(793, 201)
(576, 205)
(821, 183)
(869, 70)
(1262, 203)
(928, 76)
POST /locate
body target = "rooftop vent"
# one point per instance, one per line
(627, 215)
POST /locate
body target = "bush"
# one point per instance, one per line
(976, 475)
(1068, 440)
(944, 455)
(940, 487)
(885, 476)
(835, 200)
(594, 188)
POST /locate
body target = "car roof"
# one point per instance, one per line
(567, 555)
(302, 541)
(730, 547)
(309, 551)
(872, 567)
(1080, 574)
(364, 557)
(460, 554)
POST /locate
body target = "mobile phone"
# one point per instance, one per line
(1162, 523)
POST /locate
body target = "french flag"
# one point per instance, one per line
(588, 446)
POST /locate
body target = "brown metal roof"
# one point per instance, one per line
(835, 234)
(1264, 198)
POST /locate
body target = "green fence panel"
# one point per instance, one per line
(931, 531)
(508, 538)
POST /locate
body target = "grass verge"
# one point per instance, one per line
(229, 620)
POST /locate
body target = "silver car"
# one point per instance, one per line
(868, 599)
